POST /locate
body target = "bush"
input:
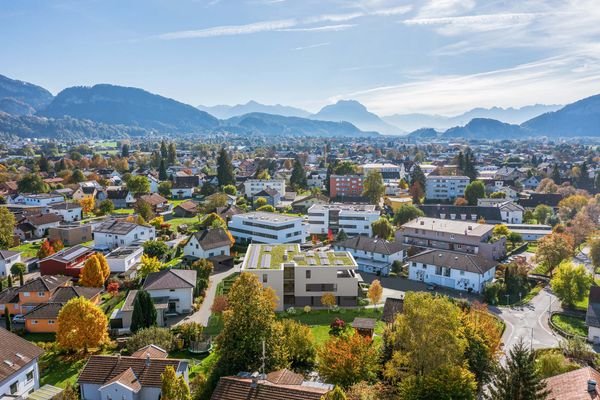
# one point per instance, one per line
(337, 326)
(291, 311)
(307, 309)
(161, 337)
(491, 292)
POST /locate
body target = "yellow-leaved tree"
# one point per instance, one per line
(91, 273)
(149, 265)
(103, 265)
(88, 204)
(375, 292)
(173, 387)
(81, 325)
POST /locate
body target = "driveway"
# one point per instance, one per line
(203, 314)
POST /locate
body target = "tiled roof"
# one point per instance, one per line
(45, 283)
(15, 353)
(4, 254)
(455, 260)
(66, 293)
(103, 369)
(48, 310)
(43, 219)
(364, 323)
(9, 295)
(153, 199)
(151, 350)
(373, 245)
(170, 279)
(189, 206)
(240, 388)
(212, 238)
(573, 385)
(128, 379)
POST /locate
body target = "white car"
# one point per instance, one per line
(18, 319)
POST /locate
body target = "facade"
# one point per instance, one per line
(120, 196)
(34, 292)
(125, 260)
(458, 271)
(301, 278)
(445, 188)
(254, 186)
(117, 233)
(19, 371)
(7, 260)
(530, 232)
(345, 186)
(71, 235)
(70, 212)
(44, 199)
(69, 261)
(264, 227)
(353, 219)
(175, 286)
(460, 236)
(489, 214)
(36, 226)
(592, 316)
(207, 243)
(373, 255)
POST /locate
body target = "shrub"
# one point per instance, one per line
(307, 309)
(161, 337)
(336, 327)
(291, 311)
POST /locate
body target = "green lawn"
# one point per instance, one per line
(123, 211)
(224, 286)
(110, 303)
(58, 370)
(572, 325)
(190, 222)
(27, 249)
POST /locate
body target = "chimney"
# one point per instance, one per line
(591, 386)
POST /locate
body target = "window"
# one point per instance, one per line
(13, 387)
(51, 322)
(265, 278)
(34, 322)
(25, 294)
(29, 376)
(41, 294)
(308, 274)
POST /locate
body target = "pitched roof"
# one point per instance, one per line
(455, 260)
(153, 199)
(116, 193)
(364, 323)
(151, 350)
(391, 308)
(9, 295)
(128, 379)
(43, 219)
(373, 245)
(573, 385)
(4, 254)
(103, 369)
(47, 310)
(171, 279)
(189, 206)
(44, 283)
(66, 293)
(15, 353)
(241, 388)
(212, 238)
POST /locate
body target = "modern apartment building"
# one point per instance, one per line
(353, 219)
(300, 278)
(461, 236)
(253, 186)
(349, 186)
(446, 188)
(265, 227)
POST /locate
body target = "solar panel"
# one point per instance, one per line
(266, 261)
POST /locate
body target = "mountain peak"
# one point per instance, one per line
(356, 113)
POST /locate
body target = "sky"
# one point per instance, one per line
(425, 56)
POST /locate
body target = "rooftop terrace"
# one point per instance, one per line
(265, 256)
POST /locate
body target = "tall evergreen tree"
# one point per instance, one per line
(7, 321)
(9, 281)
(172, 154)
(298, 178)
(469, 165)
(418, 176)
(125, 150)
(584, 176)
(164, 153)
(21, 278)
(555, 174)
(518, 379)
(460, 162)
(43, 164)
(144, 312)
(225, 174)
(162, 170)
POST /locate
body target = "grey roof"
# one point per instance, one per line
(4, 254)
(212, 238)
(373, 245)
(15, 353)
(171, 279)
(592, 316)
(488, 213)
(456, 227)
(455, 260)
(45, 283)
(66, 293)
(116, 227)
(69, 254)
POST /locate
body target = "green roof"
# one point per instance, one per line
(271, 256)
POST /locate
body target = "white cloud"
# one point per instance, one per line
(324, 28)
(229, 30)
(312, 46)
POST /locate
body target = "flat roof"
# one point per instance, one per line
(344, 207)
(123, 252)
(451, 226)
(267, 216)
(273, 256)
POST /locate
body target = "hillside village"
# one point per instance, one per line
(288, 268)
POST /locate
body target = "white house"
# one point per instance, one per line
(454, 270)
(207, 243)
(70, 212)
(353, 219)
(373, 255)
(19, 373)
(125, 260)
(253, 186)
(37, 225)
(44, 199)
(530, 232)
(175, 286)
(265, 227)
(317, 179)
(592, 316)
(153, 183)
(511, 212)
(7, 260)
(446, 188)
(115, 233)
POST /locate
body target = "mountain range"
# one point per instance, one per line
(28, 110)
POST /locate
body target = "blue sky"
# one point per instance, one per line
(434, 56)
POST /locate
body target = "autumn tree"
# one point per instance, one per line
(88, 204)
(92, 274)
(299, 345)
(501, 230)
(336, 394)
(448, 382)
(328, 300)
(148, 266)
(347, 359)
(81, 325)
(7, 226)
(375, 292)
(542, 212)
(104, 267)
(173, 386)
(595, 252)
(416, 192)
(553, 249)
(219, 305)
(382, 228)
(105, 207)
(570, 206)
(571, 283)
(143, 209)
(484, 335)
(580, 227)
(373, 187)
(32, 183)
(144, 313)
(45, 249)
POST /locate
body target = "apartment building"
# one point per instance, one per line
(254, 186)
(461, 236)
(300, 278)
(265, 227)
(444, 187)
(373, 255)
(345, 186)
(353, 219)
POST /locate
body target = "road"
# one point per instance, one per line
(203, 314)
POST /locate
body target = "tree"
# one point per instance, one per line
(172, 154)
(138, 184)
(328, 300)
(155, 248)
(416, 192)
(449, 382)
(341, 236)
(518, 379)
(230, 190)
(299, 345)
(113, 288)
(164, 153)
(144, 313)
(7, 226)
(418, 176)
(460, 201)
(213, 220)
(104, 267)
(45, 249)
(570, 206)
(225, 174)
(88, 204)
(219, 304)
(571, 283)
(498, 195)
(164, 188)
(162, 170)
(81, 325)
(125, 150)
(77, 176)
(541, 213)
(514, 238)
(375, 292)
(9, 282)
(382, 228)
(345, 168)
(348, 359)
(501, 230)
(260, 202)
(18, 268)
(148, 266)
(298, 177)
(143, 209)
(32, 183)
(554, 249)
(7, 321)
(173, 386)
(474, 191)
(161, 337)
(336, 394)
(106, 207)
(373, 187)
(595, 252)
(581, 227)
(91, 273)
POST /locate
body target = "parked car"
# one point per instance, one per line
(18, 319)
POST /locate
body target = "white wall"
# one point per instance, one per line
(24, 386)
(458, 279)
(6, 264)
(185, 296)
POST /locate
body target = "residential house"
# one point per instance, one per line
(154, 182)
(115, 233)
(37, 291)
(8, 258)
(120, 196)
(125, 260)
(302, 204)
(159, 204)
(353, 219)
(130, 378)
(454, 270)
(489, 214)
(373, 255)
(535, 199)
(228, 211)
(120, 319)
(283, 384)
(317, 179)
(272, 196)
(43, 199)
(531, 182)
(19, 370)
(467, 237)
(445, 187)
(264, 227)
(174, 286)
(183, 186)
(70, 212)
(9, 301)
(254, 186)
(592, 316)
(580, 384)
(71, 235)
(187, 209)
(300, 278)
(68, 261)
(207, 244)
(36, 226)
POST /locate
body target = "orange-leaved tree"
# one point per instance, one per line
(45, 250)
(375, 292)
(81, 326)
(103, 265)
(88, 204)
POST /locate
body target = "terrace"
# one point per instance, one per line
(273, 256)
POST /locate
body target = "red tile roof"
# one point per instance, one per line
(573, 385)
